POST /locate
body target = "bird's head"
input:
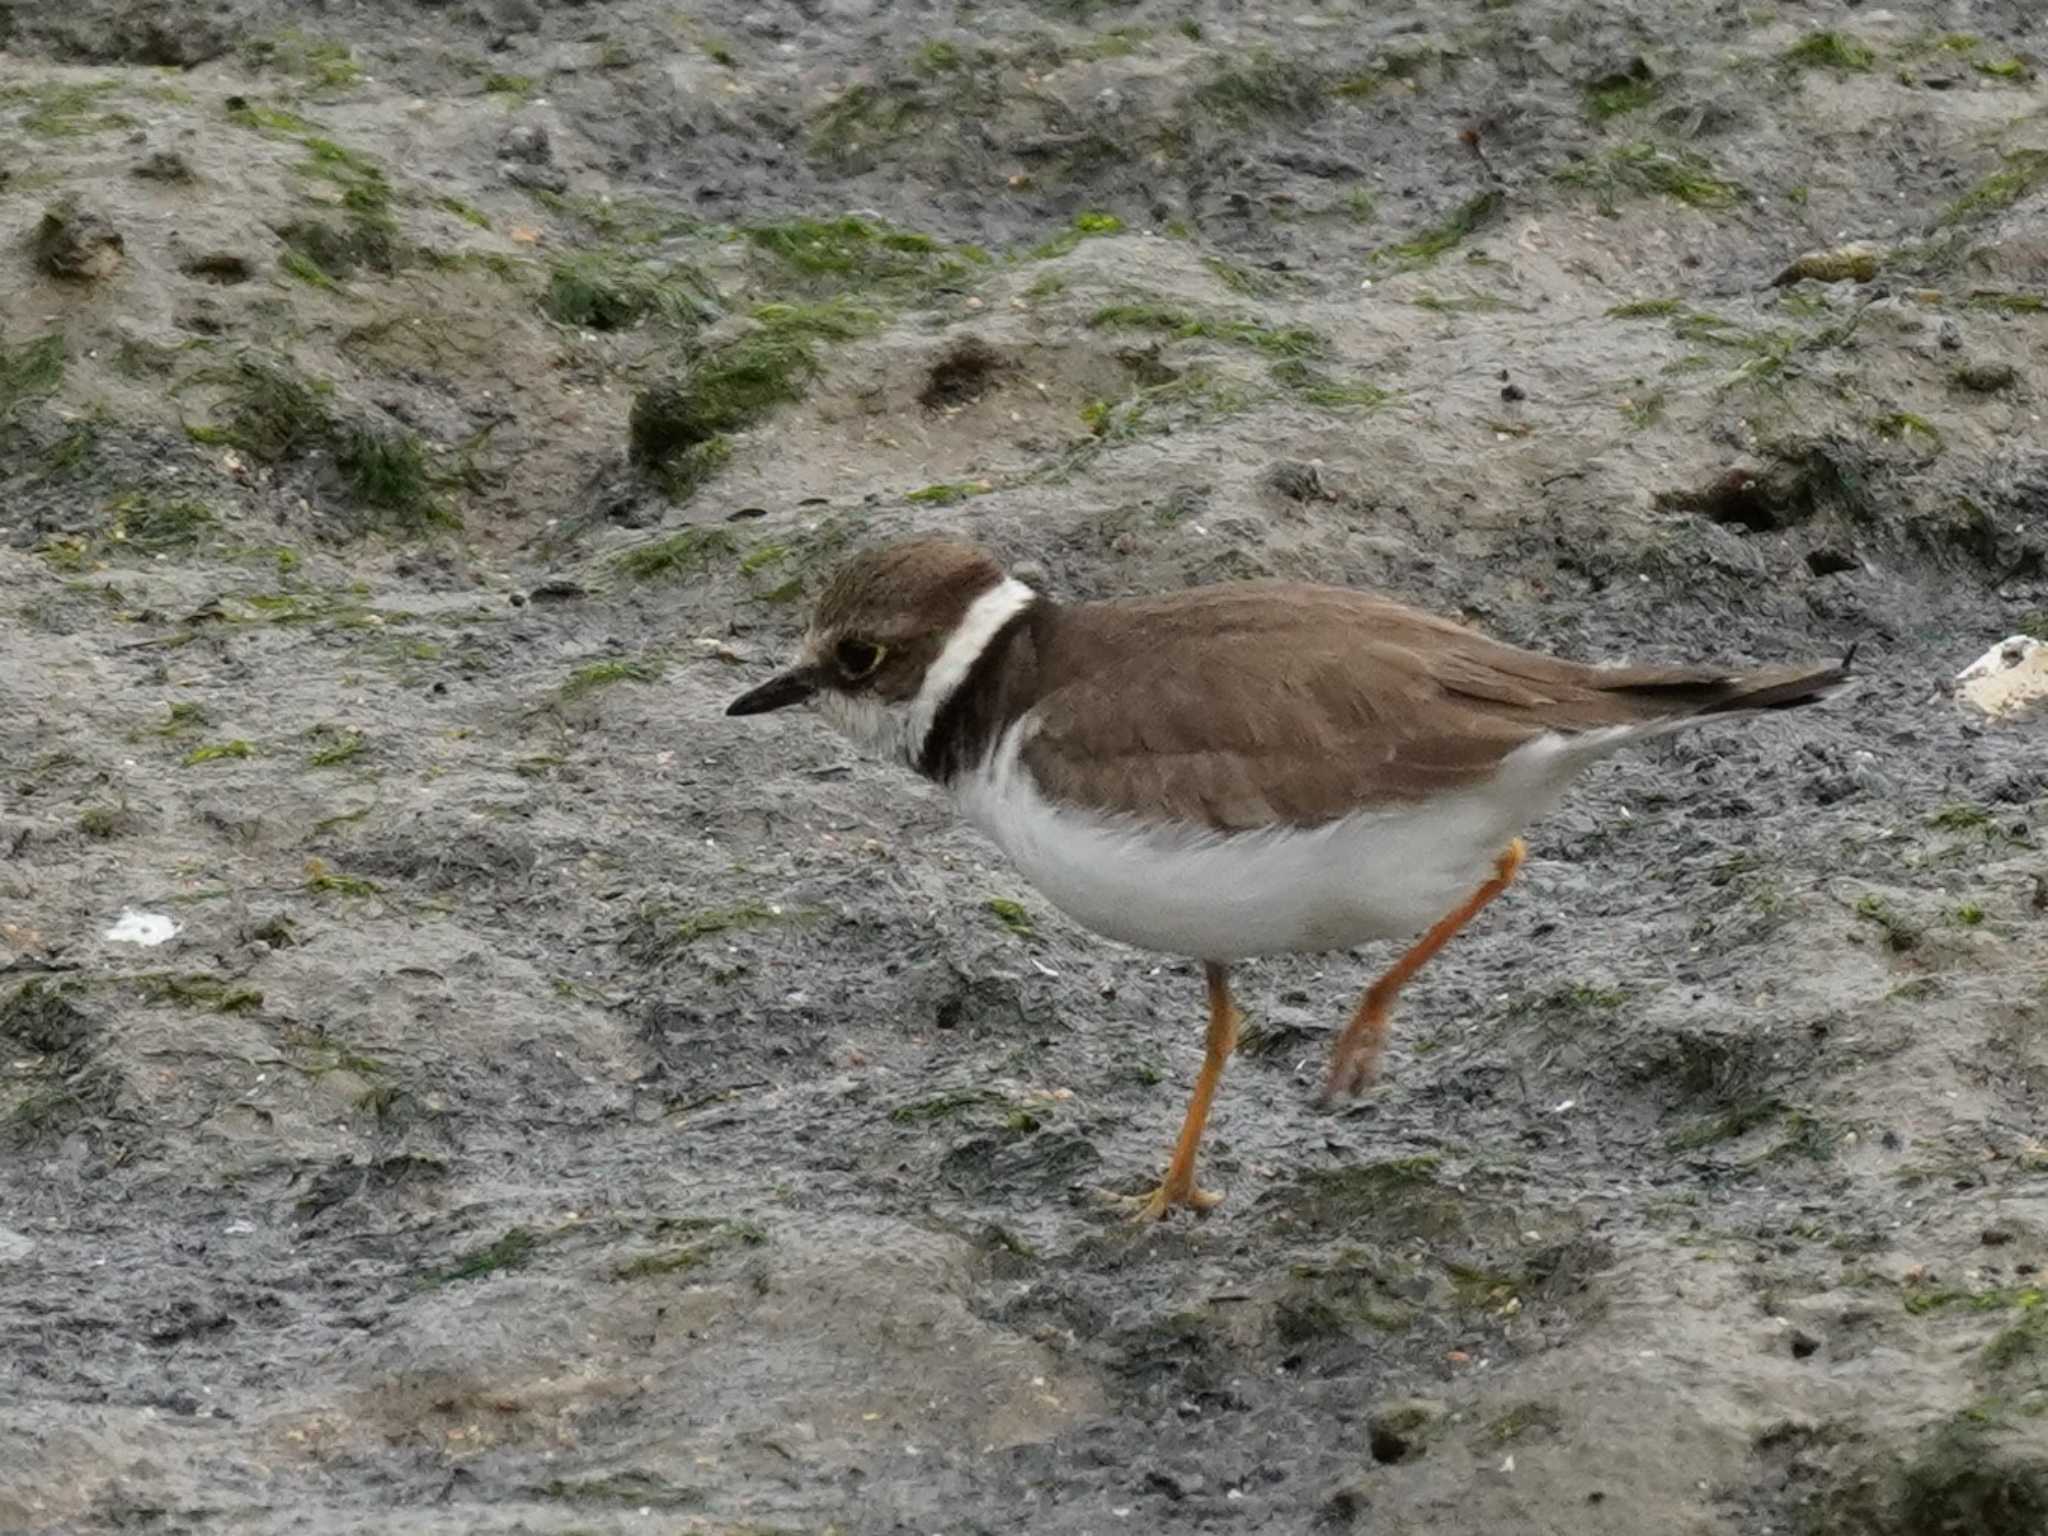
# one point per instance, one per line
(892, 637)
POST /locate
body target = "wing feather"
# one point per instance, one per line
(1267, 704)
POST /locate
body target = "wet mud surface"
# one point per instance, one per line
(562, 1108)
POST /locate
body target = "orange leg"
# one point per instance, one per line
(1356, 1060)
(1179, 1187)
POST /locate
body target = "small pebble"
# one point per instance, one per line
(1985, 378)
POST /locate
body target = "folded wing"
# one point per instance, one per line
(1271, 704)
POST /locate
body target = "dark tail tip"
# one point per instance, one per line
(1785, 688)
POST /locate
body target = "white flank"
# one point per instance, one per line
(1379, 874)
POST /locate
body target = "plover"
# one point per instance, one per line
(1252, 768)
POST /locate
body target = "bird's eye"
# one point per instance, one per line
(857, 658)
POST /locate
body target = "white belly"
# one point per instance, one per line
(1384, 874)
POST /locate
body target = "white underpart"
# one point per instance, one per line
(1379, 874)
(898, 731)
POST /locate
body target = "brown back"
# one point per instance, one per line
(1266, 703)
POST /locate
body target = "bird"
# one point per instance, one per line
(1235, 770)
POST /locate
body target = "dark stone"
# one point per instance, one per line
(1297, 482)
(338, 252)
(1315, 163)
(535, 178)
(526, 142)
(223, 267)
(64, 34)
(181, 45)
(164, 165)
(77, 244)
(1986, 378)
(1163, 1482)
(1830, 562)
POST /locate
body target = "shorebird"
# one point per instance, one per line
(1245, 769)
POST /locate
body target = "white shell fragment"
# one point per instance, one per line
(2009, 680)
(132, 927)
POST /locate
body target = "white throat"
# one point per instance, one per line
(899, 730)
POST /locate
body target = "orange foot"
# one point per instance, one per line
(1179, 1187)
(1352, 1072)
(1158, 1205)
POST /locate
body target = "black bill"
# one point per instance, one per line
(779, 692)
